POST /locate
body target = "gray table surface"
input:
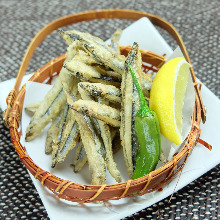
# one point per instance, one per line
(198, 22)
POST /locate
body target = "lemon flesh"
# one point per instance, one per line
(167, 97)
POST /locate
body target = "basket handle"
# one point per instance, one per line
(87, 16)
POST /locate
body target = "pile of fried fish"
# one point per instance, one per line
(92, 106)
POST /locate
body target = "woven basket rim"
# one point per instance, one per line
(89, 193)
(44, 176)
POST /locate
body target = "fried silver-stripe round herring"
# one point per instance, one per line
(104, 133)
(129, 108)
(107, 92)
(98, 49)
(81, 70)
(115, 41)
(70, 136)
(57, 140)
(32, 107)
(69, 82)
(49, 109)
(92, 146)
(103, 56)
(69, 143)
(99, 111)
(69, 133)
(85, 72)
(71, 36)
(53, 131)
(106, 137)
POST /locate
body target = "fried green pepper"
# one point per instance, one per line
(148, 135)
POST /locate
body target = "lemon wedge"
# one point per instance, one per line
(167, 97)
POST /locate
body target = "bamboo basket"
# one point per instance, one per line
(75, 192)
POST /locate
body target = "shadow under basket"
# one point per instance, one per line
(75, 192)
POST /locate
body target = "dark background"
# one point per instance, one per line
(198, 22)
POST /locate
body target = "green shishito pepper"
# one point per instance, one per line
(148, 135)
